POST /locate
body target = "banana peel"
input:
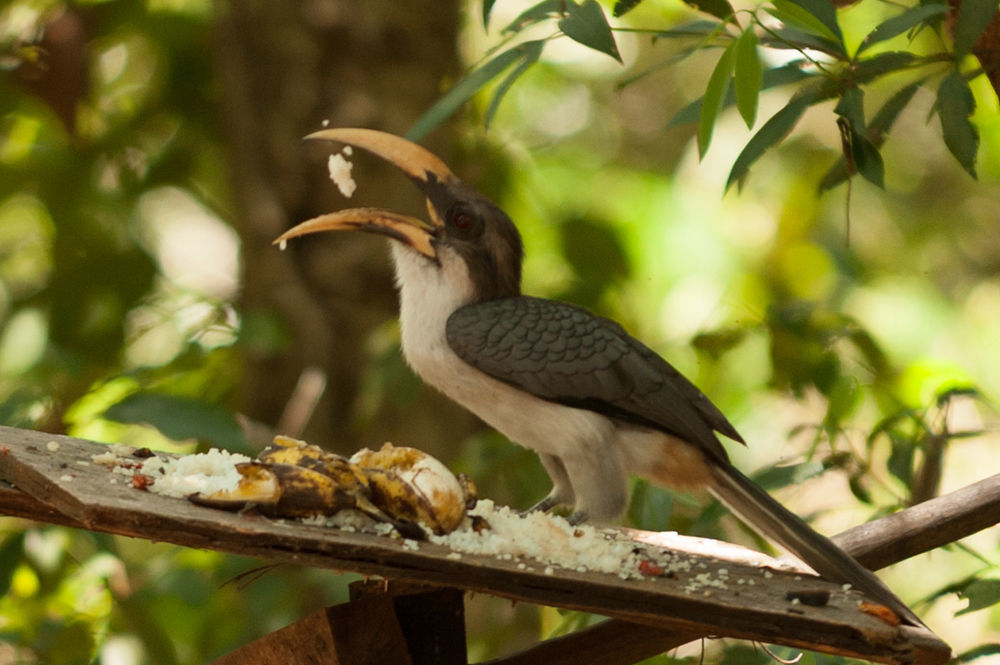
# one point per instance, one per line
(397, 485)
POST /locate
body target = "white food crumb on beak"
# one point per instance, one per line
(283, 245)
(326, 123)
(348, 150)
(340, 174)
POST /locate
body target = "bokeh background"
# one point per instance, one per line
(150, 150)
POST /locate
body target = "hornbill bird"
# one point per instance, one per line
(595, 403)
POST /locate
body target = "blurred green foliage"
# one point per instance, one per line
(863, 363)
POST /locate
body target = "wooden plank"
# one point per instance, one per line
(60, 475)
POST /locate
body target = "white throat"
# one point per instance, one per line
(428, 294)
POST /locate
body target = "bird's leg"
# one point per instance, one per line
(545, 505)
(599, 485)
(562, 490)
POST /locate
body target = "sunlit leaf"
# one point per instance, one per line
(774, 77)
(815, 16)
(955, 105)
(981, 594)
(622, 7)
(532, 51)
(897, 25)
(586, 24)
(718, 8)
(718, 83)
(772, 133)
(842, 396)
(463, 91)
(973, 17)
(747, 76)
(180, 418)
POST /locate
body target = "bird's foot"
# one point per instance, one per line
(545, 505)
(577, 517)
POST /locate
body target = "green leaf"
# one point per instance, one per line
(776, 477)
(868, 160)
(463, 91)
(900, 462)
(897, 25)
(772, 133)
(718, 84)
(487, 9)
(698, 28)
(980, 651)
(790, 38)
(718, 342)
(870, 69)
(777, 76)
(981, 594)
(535, 14)
(180, 418)
(717, 8)
(973, 17)
(622, 7)
(814, 16)
(586, 24)
(851, 107)
(11, 554)
(748, 76)
(532, 51)
(955, 105)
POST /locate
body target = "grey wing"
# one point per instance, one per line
(567, 355)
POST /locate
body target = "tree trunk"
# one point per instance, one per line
(285, 68)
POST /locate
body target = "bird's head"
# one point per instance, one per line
(464, 225)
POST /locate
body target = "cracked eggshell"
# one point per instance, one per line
(410, 484)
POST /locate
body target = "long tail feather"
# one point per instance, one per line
(763, 512)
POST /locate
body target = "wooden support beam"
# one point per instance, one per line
(362, 632)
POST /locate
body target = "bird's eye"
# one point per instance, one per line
(465, 222)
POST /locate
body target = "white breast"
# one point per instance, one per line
(428, 295)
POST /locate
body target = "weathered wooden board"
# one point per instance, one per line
(57, 471)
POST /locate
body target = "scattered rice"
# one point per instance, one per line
(190, 474)
(531, 541)
(52, 446)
